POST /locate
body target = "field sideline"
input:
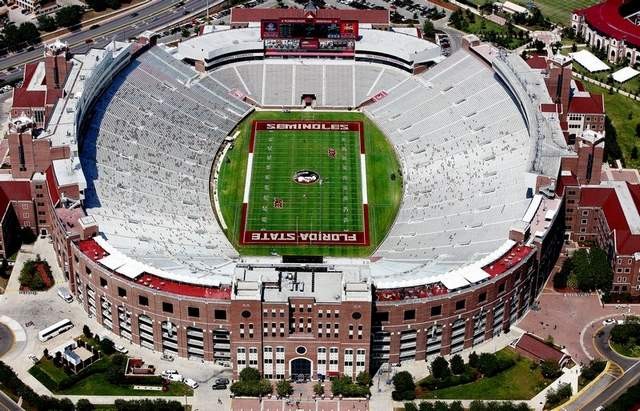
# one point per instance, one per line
(558, 11)
(277, 203)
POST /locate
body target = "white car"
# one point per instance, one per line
(191, 383)
(121, 349)
(608, 321)
(33, 358)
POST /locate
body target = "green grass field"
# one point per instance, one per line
(519, 382)
(558, 11)
(324, 207)
(332, 204)
(625, 116)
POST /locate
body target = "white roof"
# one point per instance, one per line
(509, 6)
(589, 61)
(625, 74)
(453, 281)
(113, 261)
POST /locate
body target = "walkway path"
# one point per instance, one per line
(606, 86)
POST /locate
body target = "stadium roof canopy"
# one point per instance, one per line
(377, 17)
(606, 18)
(625, 74)
(589, 61)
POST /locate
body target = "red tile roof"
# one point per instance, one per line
(13, 191)
(508, 260)
(587, 105)
(538, 349)
(565, 181)
(606, 198)
(606, 19)
(24, 98)
(243, 15)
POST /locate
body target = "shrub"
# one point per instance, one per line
(558, 395)
(456, 406)
(425, 406)
(440, 368)
(409, 406)
(251, 384)
(364, 379)
(404, 387)
(107, 346)
(473, 360)
(86, 331)
(592, 370)
(84, 404)
(344, 386)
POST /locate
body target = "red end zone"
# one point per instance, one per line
(359, 238)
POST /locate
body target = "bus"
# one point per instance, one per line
(55, 329)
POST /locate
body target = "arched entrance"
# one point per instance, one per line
(300, 367)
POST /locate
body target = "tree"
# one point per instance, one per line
(473, 360)
(428, 29)
(550, 369)
(440, 406)
(97, 5)
(364, 379)
(612, 150)
(86, 331)
(318, 389)
(409, 406)
(592, 269)
(457, 364)
(634, 153)
(440, 368)
(456, 406)
(69, 16)
(107, 346)
(249, 374)
(404, 387)
(477, 405)
(284, 388)
(84, 404)
(425, 406)
(47, 23)
(538, 45)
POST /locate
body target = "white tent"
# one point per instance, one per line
(625, 74)
(587, 60)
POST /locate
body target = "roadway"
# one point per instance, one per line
(129, 24)
(629, 366)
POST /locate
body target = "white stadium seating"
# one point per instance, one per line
(463, 144)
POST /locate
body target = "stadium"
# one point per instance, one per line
(307, 192)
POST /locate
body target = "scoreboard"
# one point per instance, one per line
(309, 29)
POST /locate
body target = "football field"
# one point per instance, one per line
(305, 184)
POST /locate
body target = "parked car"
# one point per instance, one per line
(168, 372)
(222, 381)
(63, 292)
(121, 349)
(33, 358)
(217, 386)
(191, 383)
(167, 357)
(608, 321)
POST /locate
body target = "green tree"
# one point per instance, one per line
(69, 16)
(634, 153)
(84, 404)
(428, 29)
(477, 405)
(440, 406)
(404, 386)
(550, 369)
(457, 364)
(47, 23)
(473, 360)
(284, 388)
(440, 368)
(364, 379)
(249, 374)
(456, 406)
(106, 346)
(97, 5)
(86, 331)
(409, 406)
(425, 406)
(592, 269)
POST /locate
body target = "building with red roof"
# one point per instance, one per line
(612, 25)
(536, 349)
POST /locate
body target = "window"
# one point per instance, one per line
(103, 282)
(122, 292)
(246, 314)
(501, 288)
(142, 300)
(193, 312)
(167, 307)
(356, 315)
(482, 297)
(220, 314)
(409, 315)
(460, 305)
(436, 310)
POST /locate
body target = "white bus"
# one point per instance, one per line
(55, 329)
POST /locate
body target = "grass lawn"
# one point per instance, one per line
(619, 108)
(96, 384)
(627, 351)
(558, 11)
(517, 383)
(301, 210)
